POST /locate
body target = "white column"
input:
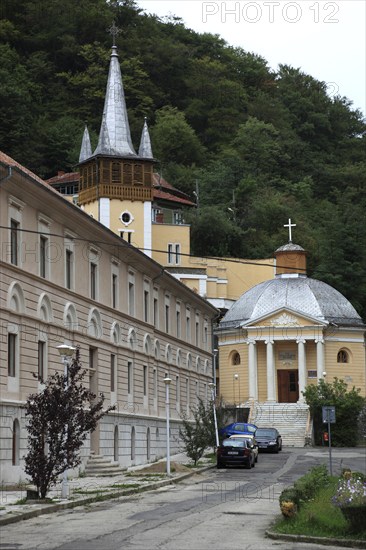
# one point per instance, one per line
(302, 366)
(271, 393)
(252, 370)
(105, 212)
(320, 358)
(147, 229)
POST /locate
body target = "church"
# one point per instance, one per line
(282, 335)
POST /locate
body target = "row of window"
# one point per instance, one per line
(150, 306)
(343, 356)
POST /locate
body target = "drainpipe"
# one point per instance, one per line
(10, 173)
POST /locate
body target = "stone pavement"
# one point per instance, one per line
(84, 490)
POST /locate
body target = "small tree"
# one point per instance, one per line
(222, 416)
(59, 420)
(348, 404)
(196, 433)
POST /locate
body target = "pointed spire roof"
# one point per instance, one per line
(85, 150)
(145, 150)
(115, 137)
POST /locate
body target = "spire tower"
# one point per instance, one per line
(145, 150)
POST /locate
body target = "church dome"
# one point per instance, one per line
(298, 293)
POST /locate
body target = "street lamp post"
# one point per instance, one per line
(213, 388)
(66, 352)
(167, 382)
(215, 352)
(237, 378)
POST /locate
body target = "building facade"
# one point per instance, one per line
(65, 278)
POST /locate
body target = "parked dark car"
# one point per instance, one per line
(238, 428)
(252, 442)
(235, 452)
(268, 439)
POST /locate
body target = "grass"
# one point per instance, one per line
(319, 518)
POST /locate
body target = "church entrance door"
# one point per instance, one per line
(288, 386)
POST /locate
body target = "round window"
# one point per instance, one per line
(126, 217)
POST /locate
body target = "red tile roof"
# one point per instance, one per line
(163, 195)
(64, 177)
(5, 159)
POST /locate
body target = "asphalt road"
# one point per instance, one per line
(220, 509)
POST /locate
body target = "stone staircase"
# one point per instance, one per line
(97, 465)
(290, 419)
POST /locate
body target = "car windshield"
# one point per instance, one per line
(250, 429)
(234, 443)
(263, 431)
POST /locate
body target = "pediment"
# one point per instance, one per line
(284, 317)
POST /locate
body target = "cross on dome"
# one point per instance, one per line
(290, 226)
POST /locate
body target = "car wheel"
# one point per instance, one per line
(248, 465)
(219, 465)
(276, 450)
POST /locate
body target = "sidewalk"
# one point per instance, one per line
(85, 490)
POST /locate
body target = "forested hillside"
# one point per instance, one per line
(260, 145)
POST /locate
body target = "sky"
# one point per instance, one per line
(324, 39)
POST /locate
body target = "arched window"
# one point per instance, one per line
(133, 443)
(16, 300)
(343, 356)
(116, 333)
(95, 324)
(148, 444)
(198, 364)
(235, 358)
(132, 339)
(157, 350)
(179, 358)
(44, 309)
(70, 317)
(189, 361)
(168, 353)
(16, 443)
(147, 344)
(116, 453)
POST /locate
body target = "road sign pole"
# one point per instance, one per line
(330, 448)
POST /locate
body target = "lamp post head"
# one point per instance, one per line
(212, 385)
(324, 374)
(167, 381)
(236, 376)
(65, 350)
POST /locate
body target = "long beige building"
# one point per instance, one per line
(65, 277)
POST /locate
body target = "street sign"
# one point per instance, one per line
(329, 415)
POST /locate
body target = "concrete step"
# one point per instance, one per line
(290, 419)
(98, 465)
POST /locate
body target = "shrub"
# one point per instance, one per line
(308, 485)
(304, 489)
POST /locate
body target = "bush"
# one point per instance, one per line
(348, 404)
(304, 489)
(308, 485)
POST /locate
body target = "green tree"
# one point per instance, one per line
(195, 433)
(60, 418)
(348, 405)
(174, 140)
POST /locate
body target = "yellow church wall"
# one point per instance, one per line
(353, 372)
(164, 234)
(230, 387)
